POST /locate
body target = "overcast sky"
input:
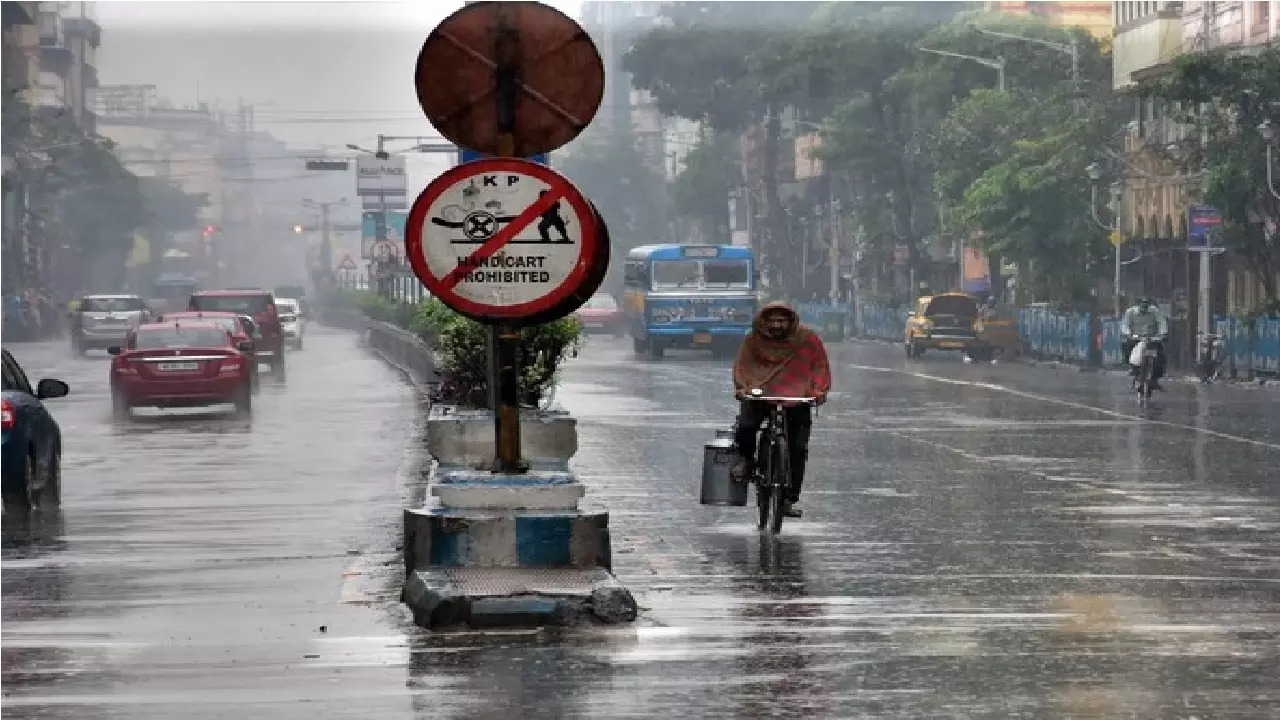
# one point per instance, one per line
(326, 73)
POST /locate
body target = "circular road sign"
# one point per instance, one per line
(559, 81)
(507, 240)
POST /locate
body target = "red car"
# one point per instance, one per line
(180, 364)
(257, 304)
(602, 314)
(242, 328)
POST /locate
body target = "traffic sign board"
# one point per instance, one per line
(557, 73)
(383, 251)
(346, 263)
(505, 240)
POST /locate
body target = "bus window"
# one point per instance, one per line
(727, 273)
(634, 274)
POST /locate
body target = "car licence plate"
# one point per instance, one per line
(951, 344)
(179, 366)
(702, 338)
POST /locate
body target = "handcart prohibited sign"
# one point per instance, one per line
(505, 239)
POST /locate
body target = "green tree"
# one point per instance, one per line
(83, 202)
(626, 185)
(701, 190)
(1032, 207)
(1224, 96)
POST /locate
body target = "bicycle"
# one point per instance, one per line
(773, 475)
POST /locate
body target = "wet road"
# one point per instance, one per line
(978, 541)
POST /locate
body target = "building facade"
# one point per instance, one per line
(1147, 38)
(49, 63)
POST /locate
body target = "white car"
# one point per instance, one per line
(291, 321)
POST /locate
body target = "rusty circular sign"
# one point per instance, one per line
(555, 74)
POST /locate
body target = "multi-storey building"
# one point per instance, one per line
(1153, 212)
(50, 64)
(69, 40)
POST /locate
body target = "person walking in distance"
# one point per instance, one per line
(783, 358)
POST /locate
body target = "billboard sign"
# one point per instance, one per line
(1203, 224)
(377, 176)
(369, 232)
(977, 271)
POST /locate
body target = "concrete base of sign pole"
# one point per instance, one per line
(497, 567)
(516, 597)
(508, 549)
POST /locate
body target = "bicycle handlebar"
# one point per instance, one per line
(768, 398)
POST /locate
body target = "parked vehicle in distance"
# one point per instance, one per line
(181, 364)
(601, 314)
(291, 321)
(946, 321)
(261, 306)
(242, 328)
(100, 321)
(32, 454)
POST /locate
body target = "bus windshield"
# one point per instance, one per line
(701, 273)
(676, 273)
(727, 273)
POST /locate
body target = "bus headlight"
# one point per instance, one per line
(661, 317)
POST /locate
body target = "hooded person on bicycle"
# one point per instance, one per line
(783, 358)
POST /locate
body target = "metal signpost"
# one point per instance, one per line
(1203, 224)
(508, 242)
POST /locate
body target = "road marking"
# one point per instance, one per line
(1067, 403)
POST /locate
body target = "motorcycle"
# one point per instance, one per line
(1142, 358)
(1210, 365)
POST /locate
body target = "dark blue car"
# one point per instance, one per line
(32, 458)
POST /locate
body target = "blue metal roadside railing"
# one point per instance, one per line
(881, 322)
(1052, 335)
(1249, 350)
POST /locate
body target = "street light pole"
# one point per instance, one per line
(998, 63)
(1094, 172)
(1072, 49)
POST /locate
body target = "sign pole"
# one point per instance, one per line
(505, 375)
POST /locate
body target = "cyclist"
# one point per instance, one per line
(783, 358)
(1145, 319)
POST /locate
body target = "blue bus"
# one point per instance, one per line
(689, 296)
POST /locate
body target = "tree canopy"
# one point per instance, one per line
(1225, 96)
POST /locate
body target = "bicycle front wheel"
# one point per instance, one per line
(781, 481)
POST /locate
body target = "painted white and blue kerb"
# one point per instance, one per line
(436, 537)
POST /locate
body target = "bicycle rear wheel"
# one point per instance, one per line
(780, 479)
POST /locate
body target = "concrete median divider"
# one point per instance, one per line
(500, 549)
(508, 549)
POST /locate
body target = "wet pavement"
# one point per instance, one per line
(979, 541)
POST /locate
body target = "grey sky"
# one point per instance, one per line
(325, 73)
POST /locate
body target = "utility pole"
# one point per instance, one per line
(326, 244)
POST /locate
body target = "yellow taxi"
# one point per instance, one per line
(947, 321)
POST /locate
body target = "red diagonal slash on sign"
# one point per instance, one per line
(504, 236)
